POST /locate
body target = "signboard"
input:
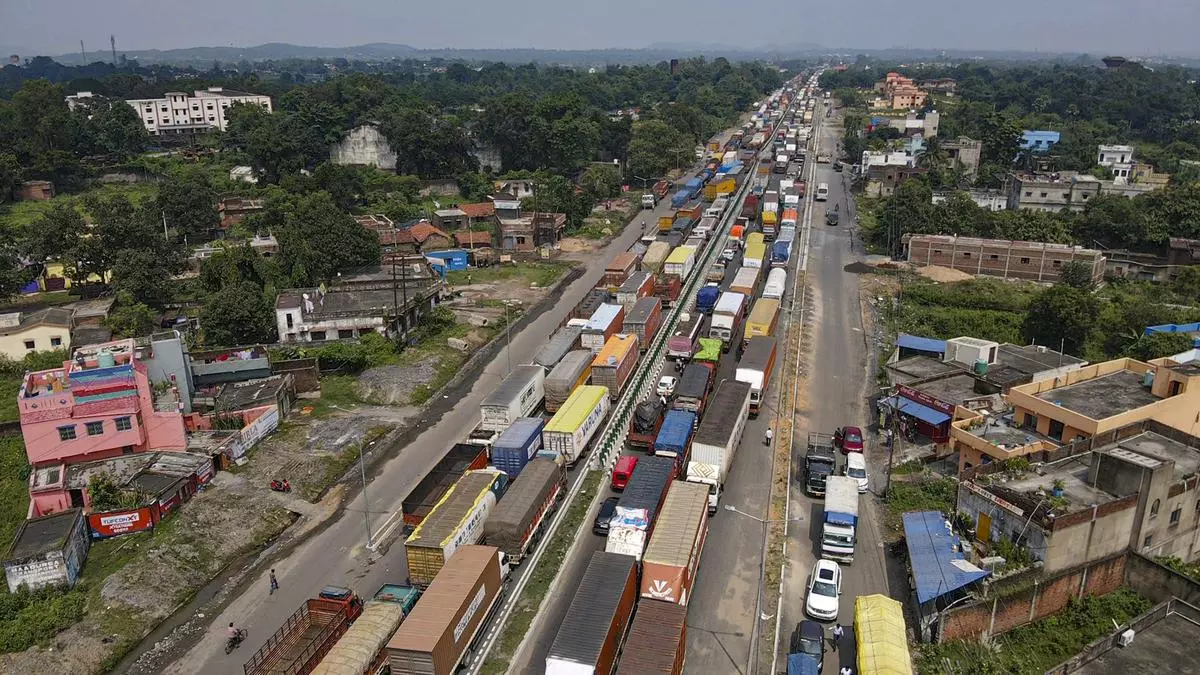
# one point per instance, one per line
(925, 399)
(1008, 506)
(116, 523)
(253, 433)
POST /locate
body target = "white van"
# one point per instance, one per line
(822, 192)
(856, 468)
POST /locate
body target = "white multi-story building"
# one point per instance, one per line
(180, 113)
(1118, 159)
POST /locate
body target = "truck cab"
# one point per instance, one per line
(648, 201)
(623, 471)
(819, 463)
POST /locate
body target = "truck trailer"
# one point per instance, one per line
(639, 285)
(567, 434)
(691, 392)
(458, 460)
(457, 520)
(656, 255)
(519, 395)
(645, 423)
(745, 281)
(657, 642)
(643, 320)
(762, 320)
(614, 365)
(680, 261)
(706, 298)
(516, 523)
(518, 445)
(839, 534)
(727, 318)
(717, 439)
(605, 322)
(682, 343)
(633, 520)
(755, 368)
(674, 438)
(572, 372)
(559, 345)
(673, 556)
(776, 284)
(308, 634)
(589, 637)
(362, 648)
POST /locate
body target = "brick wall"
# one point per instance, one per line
(998, 257)
(1159, 583)
(305, 374)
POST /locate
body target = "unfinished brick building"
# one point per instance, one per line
(1029, 260)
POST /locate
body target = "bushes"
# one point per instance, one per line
(28, 617)
(350, 358)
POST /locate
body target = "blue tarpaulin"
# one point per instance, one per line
(906, 341)
(937, 565)
(917, 410)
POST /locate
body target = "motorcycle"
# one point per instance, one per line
(281, 485)
(235, 641)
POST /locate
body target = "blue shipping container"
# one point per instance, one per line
(455, 258)
(518, 445)
(780, 251)
(680, 198)
(675, 434)
(694, 186)
(706, 299)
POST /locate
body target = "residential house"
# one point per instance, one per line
(992, 200)
(519, 188)
(180, 113)
(925, 126)
(1145, 174)
(451, 219)
(884, 171)
(389, 299)
(479, 213)
(22, 333)
(1052, 191)
(1029, 260)
(526, 232)
(964, 155)
(1118, 159)
(899, 93)
(234, 210)
(33, 191)
(943, 85)
(416, 238)
(1039, 142)
(364, 145)
(98, 405)
(376, 223)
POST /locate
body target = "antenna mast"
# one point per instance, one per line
(112, 41)
(82, 54)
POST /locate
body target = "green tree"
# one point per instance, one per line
(62, 234)
(111, 127)
(234, 265)
(343, 183)
(238, 314)
(1061, 315)
(601, 181)
(130, 319)
(188, 201)
(1187, 283)
(1157, 345)
(474, 186)
(656, 147)
(13, 274)
(317, 239)
(10, 175)
(1076, 274)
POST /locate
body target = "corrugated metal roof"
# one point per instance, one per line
(584, 629)
(603, 316)
(937, 566)
(920, 343)
(578, 406)
(680, 517)
(654, 638)
(614, 351)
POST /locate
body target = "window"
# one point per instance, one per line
(994, 257)
(1056, 263)
(1066, 195)
(289, 320)
(149, 108)
(936, 252)
(344, 334)
(55, 341)
(66, 433)
(1175, 515)
(1154, 508)
(966, 254)
(29, 344)
(1147, 541)
(95, 428)
(1045, 194)
(1028, 193)
(317, 335)
(1024, 261)
(123, 423)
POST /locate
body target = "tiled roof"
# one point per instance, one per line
(478, 210)
(422, 231)
(473, 238)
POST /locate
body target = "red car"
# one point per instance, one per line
(849, 439)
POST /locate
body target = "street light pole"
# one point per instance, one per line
(362, 472)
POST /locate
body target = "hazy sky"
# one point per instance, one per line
(1096, 26)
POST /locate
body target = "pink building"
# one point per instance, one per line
(98, 405)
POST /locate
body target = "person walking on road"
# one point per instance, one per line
(770, 435)
(274, 583)
(837, 636)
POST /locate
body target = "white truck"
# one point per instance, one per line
(718, 437)
(841, 518)
(726, 317)
(518, 395)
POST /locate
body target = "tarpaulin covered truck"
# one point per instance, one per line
(656, 254)
(613, 366)
(518, 395)
(456, 521)
(516, 523)
(675, 437)
(680, 261)
(670, 562)
(361, 649)
(559, 345)
(459, 459)
(755, 368)
(517, 445)
(645, 422)
(706, 298)
(717, 439)
(880, 636)
(572, 371)
(657, 642)
(308, 634)
(839, 534)
(691, 392)
(567, 433)
(633, 520)
(589, 637)
(437, 636)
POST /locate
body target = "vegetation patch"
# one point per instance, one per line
(541, 274)
(924, 493)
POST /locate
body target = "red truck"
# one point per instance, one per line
(660, 189)
(750, 207)
(300, 644)
(645, 422)
(461, 458)
(667, 288)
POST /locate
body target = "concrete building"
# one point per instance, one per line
(992, 200)
(1029, 260)
(1051, 192)
(22, 333)
(33, 191)
(364, 145)
(899, 92)
(233, 210)
(964, 155)
(389, 300)
(48, 551)
(179, 113)
(526, 231)
(1118, 159)
(1136, 488)
(1039, 142)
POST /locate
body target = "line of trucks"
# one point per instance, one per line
(484, 506)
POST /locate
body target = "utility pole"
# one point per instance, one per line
(82, 54)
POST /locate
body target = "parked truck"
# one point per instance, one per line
(567, 434)
(708, 351)
(605, 323)
(361, 650)
(439, 634)
(564, 340)
(755, 369)
(516, 523)
(691, 392)
(657, 640)
(518, 445)
(745, 281)
(667, 288)
(633, 520)
(618, 270)
(717, 439)
(638, 285)
(308, 634)
(459, 459)
(456, 520)
(673, 556)
(841, 518)
(519, 395)
(656, 254)
(674, 438)
(756, 250)
(776, 284)
(614, 365)
(762, 320)
(820, 462)
(645, 423)
(680, 261)
(643, 320)
(727, 318)
(590, 303)
(682, 343)
(706, 298)
(589, 636)
(571, 373)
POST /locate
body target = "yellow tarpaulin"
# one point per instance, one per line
(882, 641)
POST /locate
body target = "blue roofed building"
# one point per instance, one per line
(1192, 330)
(941, 573)
(1039, 142)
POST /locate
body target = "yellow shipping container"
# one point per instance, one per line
(756, 238)
(769, 218)
(762, 318)
(577, 408)
(882, 642)
(755, 251)
(724, 187)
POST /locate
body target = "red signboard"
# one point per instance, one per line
(925, 399)
(115, 523)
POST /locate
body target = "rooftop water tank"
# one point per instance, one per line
(105, 359)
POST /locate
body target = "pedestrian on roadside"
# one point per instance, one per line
(274, 583)
(837, 636)
(770, 434)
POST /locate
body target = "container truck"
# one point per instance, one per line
(790, 217)
(457, 520)
(638, 285)
(459, 459)
(756, 250)
(589, 637)
(881, 638)
(691, 392)
(618, 269)
(438, 635)
(719, 187)
(682, 344)
(775, 287)
(745, 281)
(605, 323)
(820, 462)
(665, 223)
(613, 366)
(770, 223)
(694, 242)
(643, 320)
(679, 199)
(517, 445)
(633, 520)
(749, 207)
(692, 211)
(516, 523)
(521, 393)
(361, 649)
(566, 435)
(705, 228)
(762, 320)
(675, 436)
(308, 634)
(680, 261)
(717, 439)
(564, 340)
(841, 518)
(706, 298)
(667, 288)
(673, 556)
(645, 422)
(656, 254)
(682, 226)
(727, 318)
(657, 642)
(771, 202)
(781, 251)
(572, 372)
(755, 368)
(590, 303)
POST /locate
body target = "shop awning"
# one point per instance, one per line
(917, 410)
(938, 566)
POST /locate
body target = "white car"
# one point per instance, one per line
(824, 591)
(728, 254)
(856, 468)
(666, 386)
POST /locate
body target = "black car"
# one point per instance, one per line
(809, 638)
(607, 509)
(837, 166)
